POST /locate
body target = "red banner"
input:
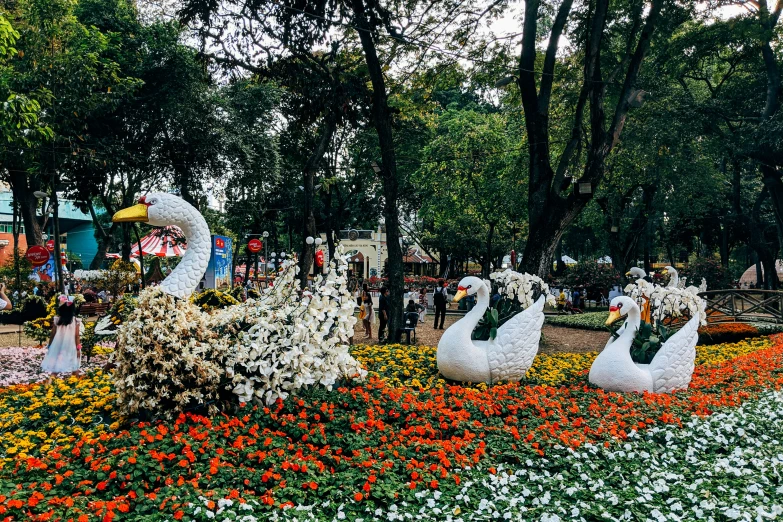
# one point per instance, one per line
(37, 255)
(255, 246)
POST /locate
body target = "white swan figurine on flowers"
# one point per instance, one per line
(636, 272)
(674, 277)
(671, 368)
(505, 358)
(160, 210)
(172, 356)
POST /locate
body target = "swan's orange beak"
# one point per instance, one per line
(614, 315)
(132, 214)
(461, 292)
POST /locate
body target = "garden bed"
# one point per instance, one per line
(408, 444)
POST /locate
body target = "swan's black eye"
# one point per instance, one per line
(470, 286)
(619, 305)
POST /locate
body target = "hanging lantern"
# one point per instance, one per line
(319, 258)
(584, 188)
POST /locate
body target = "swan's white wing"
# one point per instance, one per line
(672, 367)
(516, 345)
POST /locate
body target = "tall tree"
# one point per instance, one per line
(552, 206)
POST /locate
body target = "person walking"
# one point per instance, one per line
(5, 302)
(383, 313)
(440, 298)
(367, 314)
(423, 303)
(64, 352)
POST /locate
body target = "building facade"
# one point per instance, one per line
(367, 254)
(77, 233)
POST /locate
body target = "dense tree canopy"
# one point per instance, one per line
(648, 132)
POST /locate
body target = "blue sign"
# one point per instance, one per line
(219, 269)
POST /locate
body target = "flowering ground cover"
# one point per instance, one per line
(23, 365)
(553, 448)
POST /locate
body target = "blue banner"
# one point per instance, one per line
(219, 269)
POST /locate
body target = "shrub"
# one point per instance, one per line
(716, 275)
(30, 308)
(168, 358)
(118, 314)
(726, 333)
(594, 277)
(212, 299)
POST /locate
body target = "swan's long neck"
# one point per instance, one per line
(631, 326)
(472, 318)
(184, 279)
(674, 279)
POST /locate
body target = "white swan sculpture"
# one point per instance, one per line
(159, 210)
(671, 369)
(636, 272)
(674, 277)
(505, 358)
(260, 350)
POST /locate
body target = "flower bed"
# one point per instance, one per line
(726, 333)
(376, 450)
(22, 365)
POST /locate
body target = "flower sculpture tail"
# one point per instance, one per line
(287, 342)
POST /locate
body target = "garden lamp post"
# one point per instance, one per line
(58, 267)
(265, 235)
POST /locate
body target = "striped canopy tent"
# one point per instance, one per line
(161, 242)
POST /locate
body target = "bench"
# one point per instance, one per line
(411, 320)
(99, 309)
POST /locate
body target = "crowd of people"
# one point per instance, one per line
(417, 305)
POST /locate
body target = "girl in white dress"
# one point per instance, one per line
(64, 353)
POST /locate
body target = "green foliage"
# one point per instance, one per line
(29, 308)
(592, 276)
(8, 274)
(487, 329)
(468, 197)
(647, 341)
(117, 277)
(88, 340)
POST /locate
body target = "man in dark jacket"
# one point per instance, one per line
(383, 312)
(440, 298)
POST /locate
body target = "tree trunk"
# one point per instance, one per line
(487, 268)
(759, 272)
(764, 242)
(58, 265)
(126, 242)
(15, 231)
(382, 120)
(328, 226)
(308, 251)
(724, 245)
(647, 264)
(560, 266)
(23, 187)
(550, 210)
(103, 238)
(141, 255)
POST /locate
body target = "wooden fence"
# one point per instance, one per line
(743, 305)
